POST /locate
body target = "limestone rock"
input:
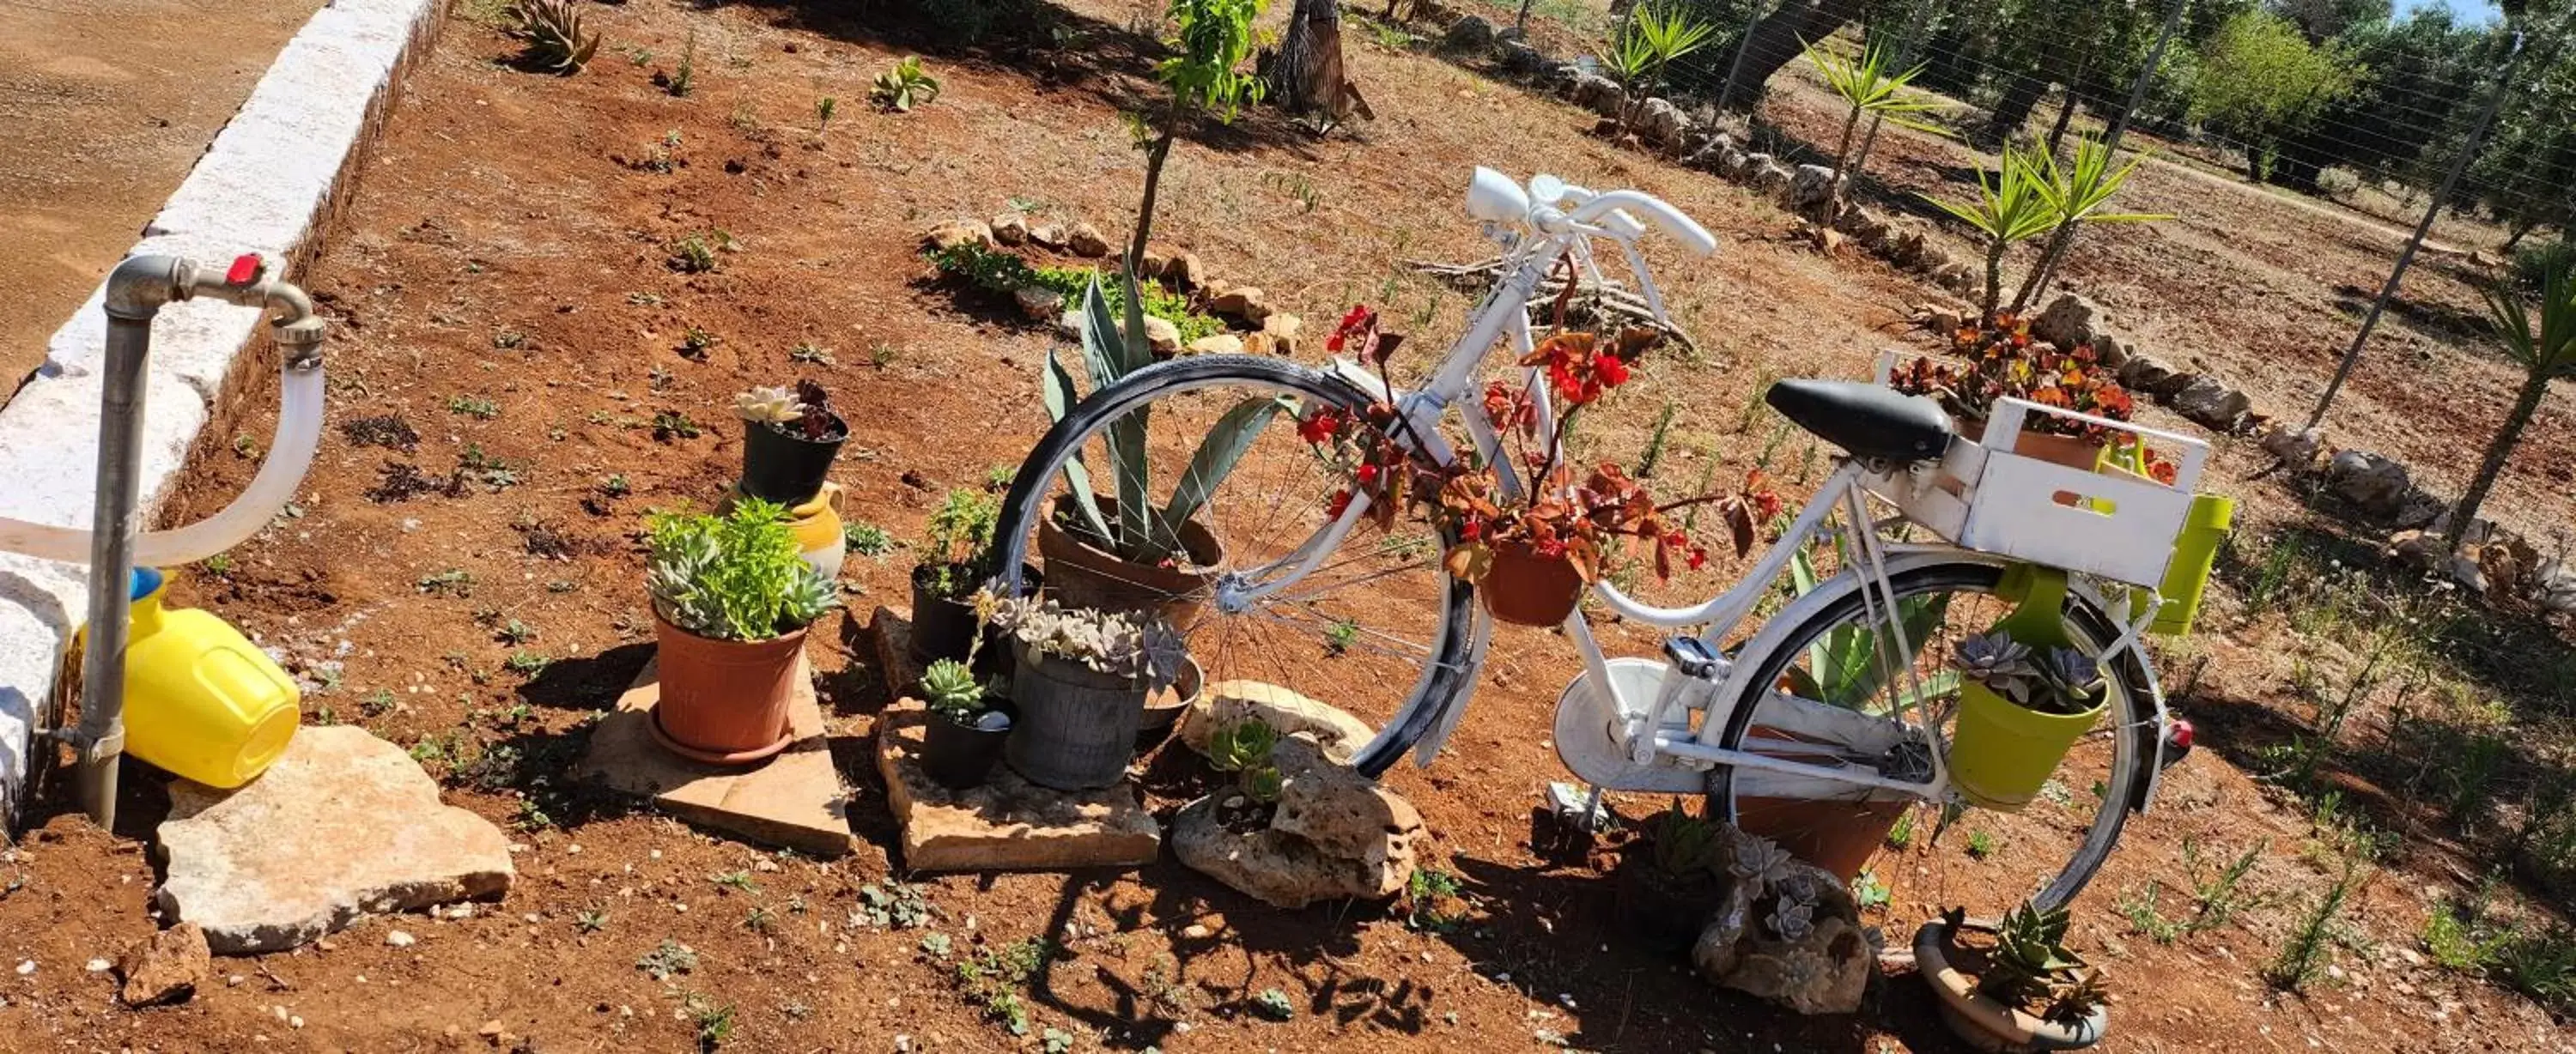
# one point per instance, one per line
(343, 825)
(1868, 228)
(1662, 123)
(1085, 240)
(1011, 228)
(1341, 812)
(166, 968)
(2210, 402)
(1942, 319)
(1216, 344)
(2420, 550)
(1069, 325)
(1186, 269)
(954, 233)
(1819, 967)
(2370, 482)
(1248, 303)
(1007, 823)
(2067, 321)
(1282, 328)
(1360, 846)
(2418, 508)
(1047, 235)
(1469, 33)
(2297, 449)
(2149, 375)
(1732, 161)
(1519, 59)
(1959, 278)
(1154, 262)
(1224, 703)
(1595, 92)
(1905, 246)
(1809, 184)
(1162, 336)
(1261, 344)
(1039, 303)
(1767, 174)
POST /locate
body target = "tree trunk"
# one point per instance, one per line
(1155, 155)
(2013, 110)
(2516, 230)
(1777, 39)
(1308, 74)
(1994, 279)
(2039, 272)
(1842, 156)
(2466, 512)
(2066, 112)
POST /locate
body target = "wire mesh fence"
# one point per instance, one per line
(2408, 120)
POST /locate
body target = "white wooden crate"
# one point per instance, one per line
(1982, 495)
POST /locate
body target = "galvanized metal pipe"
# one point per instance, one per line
(136, 292)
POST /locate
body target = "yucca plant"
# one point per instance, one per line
(2078, 193)
(2545, 355)
(1654, 37)
(554, 34)
(905, 86)
(2013, 206)
(1869, 85)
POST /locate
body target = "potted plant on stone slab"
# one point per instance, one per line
(1080, 685)
(966, 730)
(956, 561)
(731, 601)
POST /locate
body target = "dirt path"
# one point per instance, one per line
(104, 104)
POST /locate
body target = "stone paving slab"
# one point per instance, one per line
(1008, 824)
(795, 799)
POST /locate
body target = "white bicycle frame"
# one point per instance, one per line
(1647, 731)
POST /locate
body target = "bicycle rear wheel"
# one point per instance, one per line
(1375, 627)
(1911, 865)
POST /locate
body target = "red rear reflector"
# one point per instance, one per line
(245, 270)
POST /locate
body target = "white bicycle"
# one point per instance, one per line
(1796, 725)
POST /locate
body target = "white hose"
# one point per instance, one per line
(299, 434)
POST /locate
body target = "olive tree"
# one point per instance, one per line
(2260, 78)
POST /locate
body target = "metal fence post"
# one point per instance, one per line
(2432, 211)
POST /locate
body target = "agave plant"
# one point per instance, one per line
(1655, 36)
(1869, 85)
(2545, 354)
(1144, 531)
(554, 34)
(1687, 848)
(2030, 957)
(905, 86)
(2077, 193)
(2014, 205)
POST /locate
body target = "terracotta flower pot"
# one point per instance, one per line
(2075, 452)
(1082, 575)
(1981, 1021)
(1532, 590)
(724, 702)
(1164, 706)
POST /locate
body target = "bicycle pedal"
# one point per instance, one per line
(1694, 658)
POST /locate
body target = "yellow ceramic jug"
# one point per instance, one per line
(200, 700)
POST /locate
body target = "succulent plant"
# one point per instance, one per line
(1244, 748)
(554, 34)
(1122, 645)
(950, 689)
(1686, 847)
(2030, 957)
(1757, 859)
(1793, 920)
(2073, 677)
(1998, 662)
(775, 405)
(2075, 998)
(733, 577)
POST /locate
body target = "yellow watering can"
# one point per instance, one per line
(200, 700)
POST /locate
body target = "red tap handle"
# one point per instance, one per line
(245, 270)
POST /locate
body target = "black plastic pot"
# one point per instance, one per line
(1661, 913)
(959, 756)
(943, 627)
(787, 469)
(1077, 727)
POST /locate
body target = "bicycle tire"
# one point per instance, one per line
(2092, 627)
(1446, 676)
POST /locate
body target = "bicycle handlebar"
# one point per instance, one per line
(1694, 238)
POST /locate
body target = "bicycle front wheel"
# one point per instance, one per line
(1911, 864)
(1369, 622)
